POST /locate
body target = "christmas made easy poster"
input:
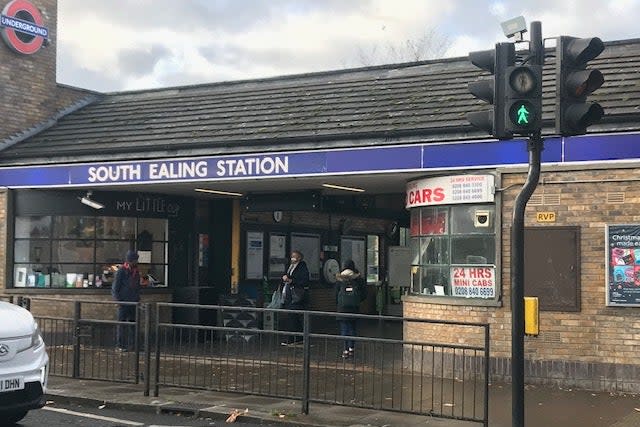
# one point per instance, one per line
(623, 265)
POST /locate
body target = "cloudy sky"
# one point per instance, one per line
(137, 44)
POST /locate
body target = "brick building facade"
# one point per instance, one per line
(593, 348)
(376, 128)
(30, 103)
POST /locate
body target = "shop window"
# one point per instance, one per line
(373, 258)
(33, 227)
(404, 236)
(74, 227)
(84, 251)
(116, 228)
(453, 251)
(473, 249)
(309, 245)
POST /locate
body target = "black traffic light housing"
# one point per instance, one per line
(492, 89)
(523, 99)
(574, 82)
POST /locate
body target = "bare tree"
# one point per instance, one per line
(430, 45)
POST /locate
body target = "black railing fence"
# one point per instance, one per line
(81, 339)
(241, 351)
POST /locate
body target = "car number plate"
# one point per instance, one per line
(11, 384)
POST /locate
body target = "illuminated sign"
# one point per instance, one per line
(447, 190)
(433, 158)
(21, 26)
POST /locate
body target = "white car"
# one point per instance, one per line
(24, 364)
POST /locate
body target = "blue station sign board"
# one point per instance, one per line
(389, 159)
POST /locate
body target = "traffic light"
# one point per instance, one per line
(492, 89)
(523, 99)
(574, 83)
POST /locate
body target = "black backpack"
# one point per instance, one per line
(349, 295)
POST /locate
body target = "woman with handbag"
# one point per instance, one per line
(295, 284)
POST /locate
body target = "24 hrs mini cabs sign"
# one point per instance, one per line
(473, 282)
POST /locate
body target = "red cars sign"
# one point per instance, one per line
(21, 26)
(449, 190)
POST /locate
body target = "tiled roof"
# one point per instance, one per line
(392, 104)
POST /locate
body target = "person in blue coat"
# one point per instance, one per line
(126, 288)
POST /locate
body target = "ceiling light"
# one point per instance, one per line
(340, 187)
(223, 193)
(86, 200)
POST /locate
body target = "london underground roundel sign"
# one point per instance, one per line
(21, 26)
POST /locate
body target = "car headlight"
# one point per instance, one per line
(36, 338)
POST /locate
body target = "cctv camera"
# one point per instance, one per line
(91, 203)
(514, 27)
(482, 219)
(86, 200)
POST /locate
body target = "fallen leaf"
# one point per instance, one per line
(235, 414)
(636, 409)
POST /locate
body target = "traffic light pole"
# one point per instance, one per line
(534, 146)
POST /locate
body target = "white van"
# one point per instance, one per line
(24, 364)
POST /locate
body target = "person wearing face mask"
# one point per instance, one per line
(294, 292)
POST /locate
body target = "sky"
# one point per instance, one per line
(119, 45)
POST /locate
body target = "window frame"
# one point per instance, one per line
(40, 274)
(419, 269)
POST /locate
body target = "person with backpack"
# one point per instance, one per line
(350, 292)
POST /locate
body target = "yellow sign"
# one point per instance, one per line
(546, 216)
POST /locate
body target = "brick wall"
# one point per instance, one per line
(594, 348)
(92, 304)
(28, 86)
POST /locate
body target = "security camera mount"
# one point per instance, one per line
(86, 200)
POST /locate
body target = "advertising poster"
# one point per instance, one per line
(309, 245)
(473, 282)
(203, 250)
(623, 265)
(255, 247)
(277, 255)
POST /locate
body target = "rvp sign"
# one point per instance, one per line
(546, 216)
(21, 26)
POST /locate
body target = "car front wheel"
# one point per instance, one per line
(10, 418)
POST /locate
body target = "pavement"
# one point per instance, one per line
(545, 406)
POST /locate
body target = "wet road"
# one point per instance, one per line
(88, 416)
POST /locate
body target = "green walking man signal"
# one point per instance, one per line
(523, 115)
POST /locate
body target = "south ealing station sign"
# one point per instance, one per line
(21, 27)
(392, 159)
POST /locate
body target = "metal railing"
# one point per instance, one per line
(85, 347)
(421, 374)
(441, 379)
